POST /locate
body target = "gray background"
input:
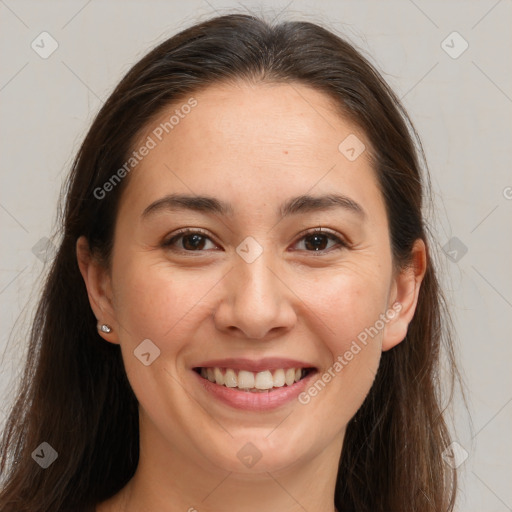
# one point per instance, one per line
(460, 106)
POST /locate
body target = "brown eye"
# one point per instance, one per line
(318, 240)
(191, 241)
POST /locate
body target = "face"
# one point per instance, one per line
(259, 293)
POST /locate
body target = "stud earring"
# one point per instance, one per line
(105, 328)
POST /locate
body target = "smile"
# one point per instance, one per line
(250, 385)
(254, 382)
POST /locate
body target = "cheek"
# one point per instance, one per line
(348, 302)
(349, 311)
(158, 303)
(161, 303)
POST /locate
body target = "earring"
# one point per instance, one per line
(105, 328)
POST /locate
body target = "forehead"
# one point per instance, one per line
(243, 116)
(243, 140)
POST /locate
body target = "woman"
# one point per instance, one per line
(243, 313)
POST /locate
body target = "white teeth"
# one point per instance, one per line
(264, 380)
(219, 378)
(279, 379)
(245, 379)
(289, 376)
(230, 379)
(252, 381)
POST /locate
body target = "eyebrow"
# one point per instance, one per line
(294, 206)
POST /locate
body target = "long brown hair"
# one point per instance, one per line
(74, 393)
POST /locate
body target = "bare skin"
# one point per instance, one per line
(254, 146)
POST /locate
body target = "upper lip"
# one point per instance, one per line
(268, 363)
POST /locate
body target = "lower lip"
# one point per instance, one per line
(255, 401)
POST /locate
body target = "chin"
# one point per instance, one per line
(257, 452)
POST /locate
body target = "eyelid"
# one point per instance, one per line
(327, 231)
(340, 240)
(185, 231)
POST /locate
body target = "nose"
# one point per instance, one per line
(257, 303)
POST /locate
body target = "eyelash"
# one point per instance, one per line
(341, 244)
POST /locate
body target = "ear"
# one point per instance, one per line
(99, 288)
(404, 296)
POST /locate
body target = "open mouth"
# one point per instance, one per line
(254, 382)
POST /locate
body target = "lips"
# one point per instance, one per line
(252, 399)
(268, 363)
(268, 375)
